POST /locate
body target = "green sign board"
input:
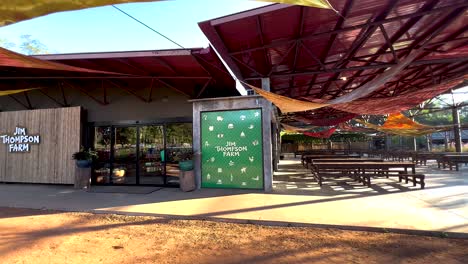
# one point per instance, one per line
(232, 149)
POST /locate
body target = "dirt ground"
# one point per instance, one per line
(39, 236)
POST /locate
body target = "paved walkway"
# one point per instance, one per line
(442, 206)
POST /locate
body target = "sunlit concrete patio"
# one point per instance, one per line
(441, 206)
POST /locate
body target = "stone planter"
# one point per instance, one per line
(83, 164)
(187, 181)
(82, 178)
(186, 165)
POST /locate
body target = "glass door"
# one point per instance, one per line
(102, 145)
(140, 154)
(124, 169)
(151, 159)
(178, 148)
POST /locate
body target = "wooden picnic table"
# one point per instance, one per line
(385, 165)
(344, 159)
(454, 159)
(306, 159)
(423, 157)
(364, 170)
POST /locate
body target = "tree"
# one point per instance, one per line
(32, 46)
(28, 45)
(4, 43)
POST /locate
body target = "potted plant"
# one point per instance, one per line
(185, 159)
(186, 174)
(84, 158)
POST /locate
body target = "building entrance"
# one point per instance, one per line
(140, 155)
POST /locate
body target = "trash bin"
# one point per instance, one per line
(187, 180)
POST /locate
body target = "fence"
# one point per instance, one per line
(295, 147)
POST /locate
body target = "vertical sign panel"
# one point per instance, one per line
(232, 149)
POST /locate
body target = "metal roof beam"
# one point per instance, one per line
(389, 43)
(128, 90)
(298, 48)
(19, 102)
(360, 40)
(113, 55)
(375, 23)
(86, 93)
(51, 98)
(282, 58)
(173, 87)
(248, 66)
(362, 68)
(347, 7)
(432, 33)
(203, 88)
(104, 77)
(262, 42)
(397, 35)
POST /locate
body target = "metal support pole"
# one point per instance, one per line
(456, 130)
(388, 142)
(446, 140)
(415, 144)
(428, 142)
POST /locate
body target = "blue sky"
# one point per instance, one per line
(107, 29)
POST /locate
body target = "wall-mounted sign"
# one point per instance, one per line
(19, 141)
(232, 149)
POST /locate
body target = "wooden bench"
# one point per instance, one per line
(365, 171)
(365, 178)
(455, 160)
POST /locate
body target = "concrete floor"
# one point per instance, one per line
(442, 206)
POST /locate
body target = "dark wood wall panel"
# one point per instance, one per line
(50, 161)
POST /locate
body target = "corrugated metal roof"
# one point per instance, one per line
(198, 73)
(316, 53)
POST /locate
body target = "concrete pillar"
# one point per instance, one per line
(279, 139)
(456, 130)
(274, 143)
(234, 103)
(267, 139)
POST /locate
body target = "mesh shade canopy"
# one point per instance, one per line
(398, 124)
(10, 92)
(286, 104)
(312, 3)
(322, 134)
(325, 122)
(371, 106)
(12, 11)
(383, 106)
(296, 129)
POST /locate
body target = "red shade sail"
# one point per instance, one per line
(322, 134)
(325, 122)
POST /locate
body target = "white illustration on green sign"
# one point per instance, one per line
(232, 152)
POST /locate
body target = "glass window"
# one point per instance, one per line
(178, 147)
(102, 145)
(151, 159)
